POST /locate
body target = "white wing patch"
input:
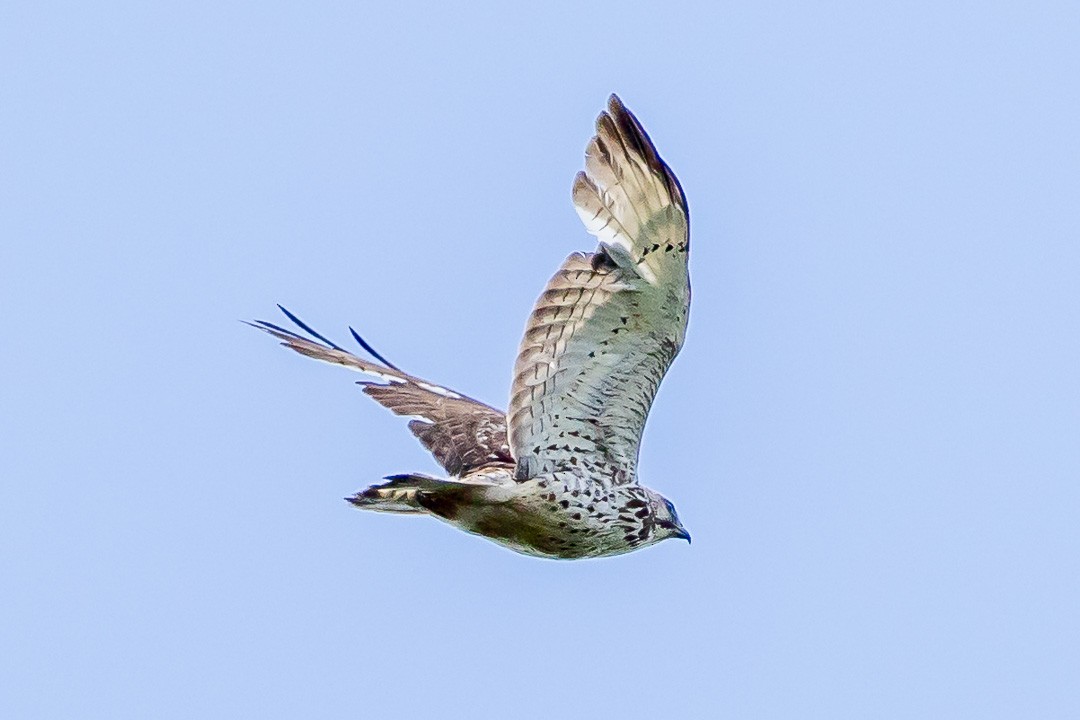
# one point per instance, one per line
(376, 374)
(439, 390)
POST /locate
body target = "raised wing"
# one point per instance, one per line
(609, 323)
(463, 434)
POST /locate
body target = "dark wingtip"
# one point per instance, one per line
(262, 325)
(633, 131)
(364, 344)
(308, 329)
(272, 328)
(286, 336)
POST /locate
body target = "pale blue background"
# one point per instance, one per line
(873, 431)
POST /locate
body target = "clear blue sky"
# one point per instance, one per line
(873, 431)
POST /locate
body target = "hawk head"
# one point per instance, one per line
(665, 520)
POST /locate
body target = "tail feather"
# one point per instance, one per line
(419, 493)
(398, 495)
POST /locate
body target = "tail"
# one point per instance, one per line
(396, 496)
(416, 493)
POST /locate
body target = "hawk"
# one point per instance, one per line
(556, 475)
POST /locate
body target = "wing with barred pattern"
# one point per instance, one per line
(609, 323)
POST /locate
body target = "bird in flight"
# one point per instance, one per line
(556, 475)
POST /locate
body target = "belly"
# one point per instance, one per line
(548, 532)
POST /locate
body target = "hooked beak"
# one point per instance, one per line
(680, 532)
